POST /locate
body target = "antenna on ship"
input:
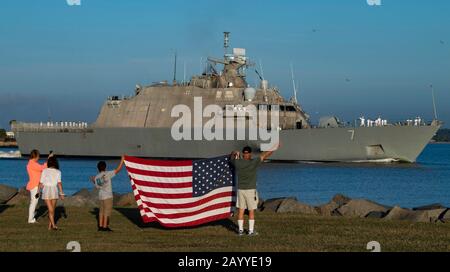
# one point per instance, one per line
(264, 83)
(261, 69)
(184, 72)
(434, 102)
(175, 70)
(293, 83)
(226, 42)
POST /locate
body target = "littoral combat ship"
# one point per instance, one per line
(141, 125)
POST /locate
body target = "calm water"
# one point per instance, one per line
(408, 185)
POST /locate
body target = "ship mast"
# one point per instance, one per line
(234, 65)
(293, 84)
(226, 42)
(175, 70)
(434, 102)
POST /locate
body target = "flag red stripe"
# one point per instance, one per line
(159, 174)
(162, 184)
(194, 223)
(165, 196)
(158, 162)
(147, 219)
(147, 210)
(186, 214)
(188, 205)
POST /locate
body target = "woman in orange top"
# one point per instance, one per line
(34, 170)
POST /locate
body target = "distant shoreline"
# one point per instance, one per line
(8, 144)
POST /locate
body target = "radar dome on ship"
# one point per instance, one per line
(249, 94)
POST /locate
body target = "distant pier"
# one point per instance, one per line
(8, 144)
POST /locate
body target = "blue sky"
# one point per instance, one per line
(350, 58)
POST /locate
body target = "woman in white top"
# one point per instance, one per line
(50, 184)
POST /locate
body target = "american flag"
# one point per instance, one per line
(182, 193)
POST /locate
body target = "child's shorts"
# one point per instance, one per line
(106, 207)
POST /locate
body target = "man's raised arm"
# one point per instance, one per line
(117, 170)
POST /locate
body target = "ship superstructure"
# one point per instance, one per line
(141, 124)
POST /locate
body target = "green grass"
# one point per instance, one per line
(278, 232)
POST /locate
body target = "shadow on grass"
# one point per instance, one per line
(42, 211)
(134, 216)
(4, 207)
(96, 212)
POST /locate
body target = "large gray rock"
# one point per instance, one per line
(260, 204)
(292, 205)
(6, 193)
(376, 214)
(126, 200)
(88, 194)
(340, 199)
(425, 216)
(89, 198)
(21, 198)
(82, 198)
(78, 201)
(398, 213)
(361, 208)
(445, 217)
(429, 207)
(330, 209)
(433, 215)
(272, 204)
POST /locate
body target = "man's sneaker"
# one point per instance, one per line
(32, 221)
(241, 232)
(253, 233)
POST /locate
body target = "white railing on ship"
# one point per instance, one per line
(49, 126)
(418, 122)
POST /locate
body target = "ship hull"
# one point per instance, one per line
(398, 143)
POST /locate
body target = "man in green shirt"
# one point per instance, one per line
(247, 198)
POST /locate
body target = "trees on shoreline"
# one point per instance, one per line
(2, 135)
(443, 135)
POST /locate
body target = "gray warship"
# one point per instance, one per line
(141, 124)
